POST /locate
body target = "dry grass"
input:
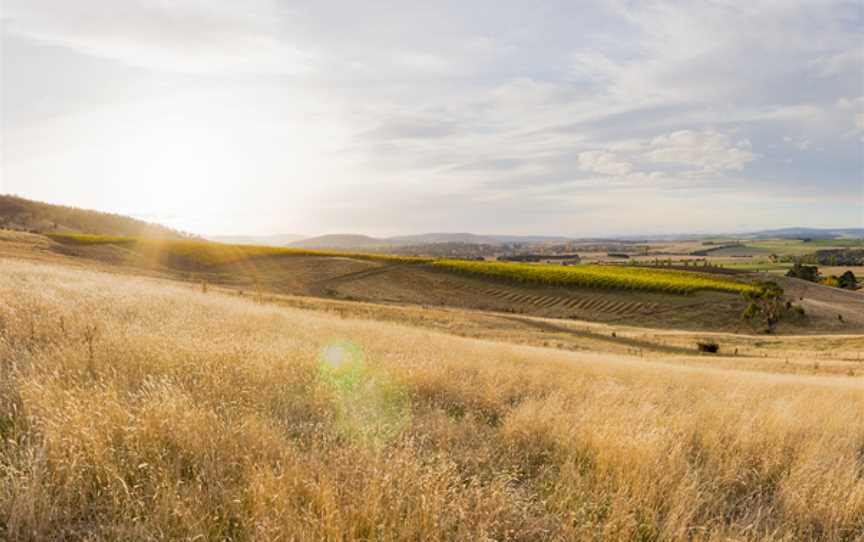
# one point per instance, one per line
(135, 409)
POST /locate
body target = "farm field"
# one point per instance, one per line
(797, 246)
(601, 277)
(747, 255)
(757, 265)
(838, 270)
(178, 404)
(202, 255)
(416, 281)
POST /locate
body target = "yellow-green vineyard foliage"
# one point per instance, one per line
(207, 253)
(598, 276)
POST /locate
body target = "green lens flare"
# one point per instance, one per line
(370, 408)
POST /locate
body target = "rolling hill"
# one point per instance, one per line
(358, 268)
(434, 238)
(651, 298)
(276, 240)
(142, 409)
(22, 214)
(359, 242)
(341, 242)
(292, 393)
(37, 217)
(808, 233)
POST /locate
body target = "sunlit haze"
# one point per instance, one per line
(559, 118)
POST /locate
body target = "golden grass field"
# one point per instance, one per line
(142, 409)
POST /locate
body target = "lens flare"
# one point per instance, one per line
(370, 408)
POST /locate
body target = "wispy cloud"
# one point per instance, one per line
(193, 36)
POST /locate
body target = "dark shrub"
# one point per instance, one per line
(805, 272)
(847, 280)
(710, 347)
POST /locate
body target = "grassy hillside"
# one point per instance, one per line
(202, 254)
(137, 409)
(199, 254)
(22, 214)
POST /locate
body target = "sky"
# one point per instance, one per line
(576, 118)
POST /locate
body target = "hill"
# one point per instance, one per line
(436, 238)
(356, 242)
(276, 240)
(33, 216)
(656, 298)
(414, 242)
(341, 242)
(808, 233)
(21, 214)
(141, 409)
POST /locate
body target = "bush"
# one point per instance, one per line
(848, 280)
(766, 304)
(830, 281)
(804, 272)
(710, 347)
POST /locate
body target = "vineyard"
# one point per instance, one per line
(598, 276)
(199, 253)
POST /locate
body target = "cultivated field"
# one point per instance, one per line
(602, 277)
(136, 408)
(656, 298)
(202, 255)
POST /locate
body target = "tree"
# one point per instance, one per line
(805, 272)
(847, 280)
(766, 305)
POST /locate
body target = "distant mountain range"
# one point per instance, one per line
(810, 233)
(365, 242)
(269, 240)
(357, 242)
(22, 214)
(780, 233)
(341, 241)
(428, 238)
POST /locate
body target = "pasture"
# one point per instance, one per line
(136, 408)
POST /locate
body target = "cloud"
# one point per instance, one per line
(414, 127)
(855, 106)
(603, 162)
(851, 103)
(802, 144)
(838, 63)
(596, 104)
(690, 152)
(708, 150)
(191, 36)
